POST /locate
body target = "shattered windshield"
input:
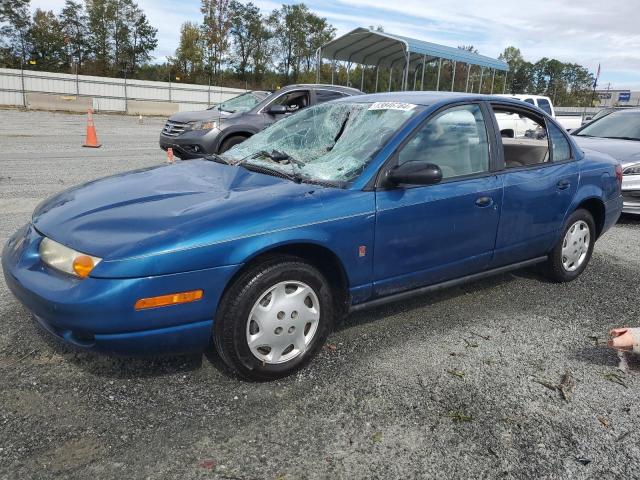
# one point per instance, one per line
(330, 142)
(241, 103)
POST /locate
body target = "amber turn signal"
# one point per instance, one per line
(171, 299)
(82, 265)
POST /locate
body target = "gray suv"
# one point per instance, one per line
(191, 134)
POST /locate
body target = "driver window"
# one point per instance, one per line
(294, 101)
(455, 140)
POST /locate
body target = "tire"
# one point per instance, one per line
(577, 240)
(232, 141)
(270, 305)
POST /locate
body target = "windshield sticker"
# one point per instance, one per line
(405, 107)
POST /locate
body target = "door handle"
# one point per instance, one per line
(484, 202)
(563, 184)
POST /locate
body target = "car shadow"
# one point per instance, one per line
(117, 366)
(123, 367)
(628, 219)
(428, 299)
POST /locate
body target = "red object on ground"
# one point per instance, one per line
(627, 339)
(92, 138)
(169, 155)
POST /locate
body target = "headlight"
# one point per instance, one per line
(66, 259)
(632, 170)
(204, 125)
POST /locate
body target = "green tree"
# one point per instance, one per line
(215, 33)
(300, 32)
(189, 56)
(15, 23)
(101, 15)
(73, 21)
(247, 32)
(47, 41)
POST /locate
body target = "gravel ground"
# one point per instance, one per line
(500, 378)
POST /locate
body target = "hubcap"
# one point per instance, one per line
(283, 322)
(575, 246)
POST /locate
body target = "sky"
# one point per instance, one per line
(588, 32)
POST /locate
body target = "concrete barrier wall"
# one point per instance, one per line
(67, 103)
(139, 107)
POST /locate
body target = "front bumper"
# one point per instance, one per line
(98, 314)
(631, 194)
(192, 142)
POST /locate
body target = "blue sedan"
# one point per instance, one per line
(339, 207)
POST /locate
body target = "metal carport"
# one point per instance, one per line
(386, 50)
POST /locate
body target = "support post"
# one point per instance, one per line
(333, 70)
(126, 100)
(493, 78)
(480, 86)
(439, 68)
(406, 72)
(362, 80)
(466, 87)
(390, 77)
(504, 87)
(348, 72)
(318, 64)
(424, 65)
(24, 94)
(377, 72)
(453, 75)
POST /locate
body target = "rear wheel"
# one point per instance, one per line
(274, 318)
(231, 142)
(572, 253)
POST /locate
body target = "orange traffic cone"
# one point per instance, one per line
(92, 138)
(169, 155)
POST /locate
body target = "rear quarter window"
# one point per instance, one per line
(327, 95)
(561, 151)
(544, 104)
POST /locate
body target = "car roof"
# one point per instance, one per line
(521, 96)
(341, 88)
(425, 98)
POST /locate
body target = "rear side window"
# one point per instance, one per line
(544, 104)
(560, 148)
(530, 100)
(327, 95)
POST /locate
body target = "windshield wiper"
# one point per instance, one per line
(625, 138)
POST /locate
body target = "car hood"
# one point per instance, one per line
(202, 115)
(173, 207)
(627, 152)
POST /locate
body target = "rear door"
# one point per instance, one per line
(429, 234)
(540, 180)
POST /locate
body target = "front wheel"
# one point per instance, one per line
(572, 253)
(274, 318)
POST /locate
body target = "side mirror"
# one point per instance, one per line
(415, 173)
(277, 110)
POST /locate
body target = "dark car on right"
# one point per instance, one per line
(192, 134)
(617, 134)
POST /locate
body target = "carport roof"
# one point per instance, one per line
(370, 47)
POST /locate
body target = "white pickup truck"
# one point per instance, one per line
(515, 126)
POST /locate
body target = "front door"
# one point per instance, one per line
(428, 234)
